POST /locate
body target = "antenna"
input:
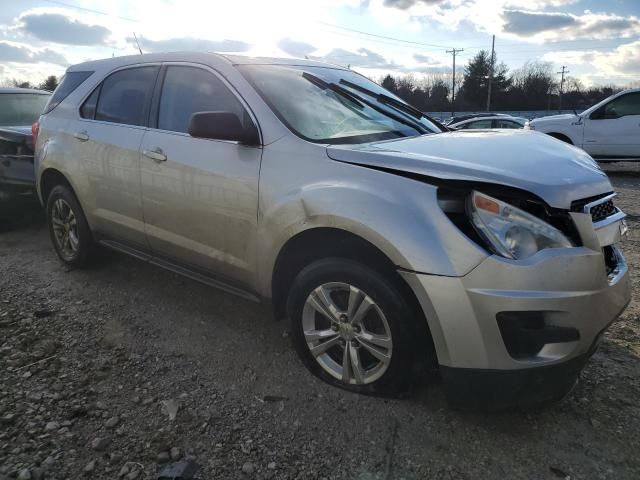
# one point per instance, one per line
(137, 43)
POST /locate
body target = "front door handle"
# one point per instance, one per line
(82, 136)
(157, 155)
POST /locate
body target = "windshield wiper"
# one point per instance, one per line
(386, 99)
(361, 102)
(318, 82)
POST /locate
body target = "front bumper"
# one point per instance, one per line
(567, 290)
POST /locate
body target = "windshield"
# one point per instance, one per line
(321, 104)
(18, 109)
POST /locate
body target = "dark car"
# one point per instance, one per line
(19, 109)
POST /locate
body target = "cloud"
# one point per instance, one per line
(58, 28)
(189, 43)
(406, 4)
(625, 59)
(361, 58)
(567, 26)
(16, 53)
(425, 59)
(295, 48)
(528, 23)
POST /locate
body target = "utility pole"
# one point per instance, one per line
(454, 52)
(563, 71)
(493, 44)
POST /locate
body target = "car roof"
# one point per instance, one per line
(196, 57)
(23, 90)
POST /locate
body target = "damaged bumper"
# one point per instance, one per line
(517, 333)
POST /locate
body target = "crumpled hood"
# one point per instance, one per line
(553, 170)
(19, 134)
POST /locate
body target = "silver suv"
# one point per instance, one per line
(391, 245)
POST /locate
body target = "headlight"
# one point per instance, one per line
(512, 232)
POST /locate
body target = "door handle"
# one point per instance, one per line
(82, 136)
(157, 155)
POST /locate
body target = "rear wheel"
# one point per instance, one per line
(68, 227)
(351, 327)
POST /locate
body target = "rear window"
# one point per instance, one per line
(18, 109)
(69, 83)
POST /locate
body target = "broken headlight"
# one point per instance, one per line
(511, 232)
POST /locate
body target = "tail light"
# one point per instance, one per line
(35, 128)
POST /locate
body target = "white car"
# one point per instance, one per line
(610, 130)
(493, 121)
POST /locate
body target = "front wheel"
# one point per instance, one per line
(68, 227)
(351, 327)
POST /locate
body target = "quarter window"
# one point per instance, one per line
(125, 96)
(187, 90)
(88, 109)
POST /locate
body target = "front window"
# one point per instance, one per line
(18, 109)
(318, 104)
(622, 106)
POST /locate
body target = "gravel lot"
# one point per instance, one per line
(93, 362)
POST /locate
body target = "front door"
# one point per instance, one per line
(613, 131)
(200, 196)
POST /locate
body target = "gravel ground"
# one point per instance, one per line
(94, 363)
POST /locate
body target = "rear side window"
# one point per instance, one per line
(478, 124)
(69, 83)
(506, 124)
(187, 90)
(125, 96)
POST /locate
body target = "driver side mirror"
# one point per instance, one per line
(221, 125)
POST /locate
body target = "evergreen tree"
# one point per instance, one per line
(49, 84)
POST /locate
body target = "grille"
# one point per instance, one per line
(600, 211)
(603, 210)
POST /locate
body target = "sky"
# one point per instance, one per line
(598, 41)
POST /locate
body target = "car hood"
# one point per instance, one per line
(565, 117)
(553, 170)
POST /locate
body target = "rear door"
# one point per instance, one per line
(614, 129)
(107, 144)
(200, 196)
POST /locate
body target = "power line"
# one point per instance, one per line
(91, 10)
(384, 36)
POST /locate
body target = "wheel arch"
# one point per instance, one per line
(562, 137)
(325, 242)
(49, 178)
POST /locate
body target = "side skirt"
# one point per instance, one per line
(180, 270)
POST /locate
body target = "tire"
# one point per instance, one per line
(71, 239)
(343, 328)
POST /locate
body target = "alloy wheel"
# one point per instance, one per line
(347, 333)
(65, 229)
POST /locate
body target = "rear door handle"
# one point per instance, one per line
(157, 155)
(82, 136)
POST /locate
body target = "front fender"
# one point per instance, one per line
(399, 216)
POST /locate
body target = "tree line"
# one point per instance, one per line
(50, 83)
(534, 86)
